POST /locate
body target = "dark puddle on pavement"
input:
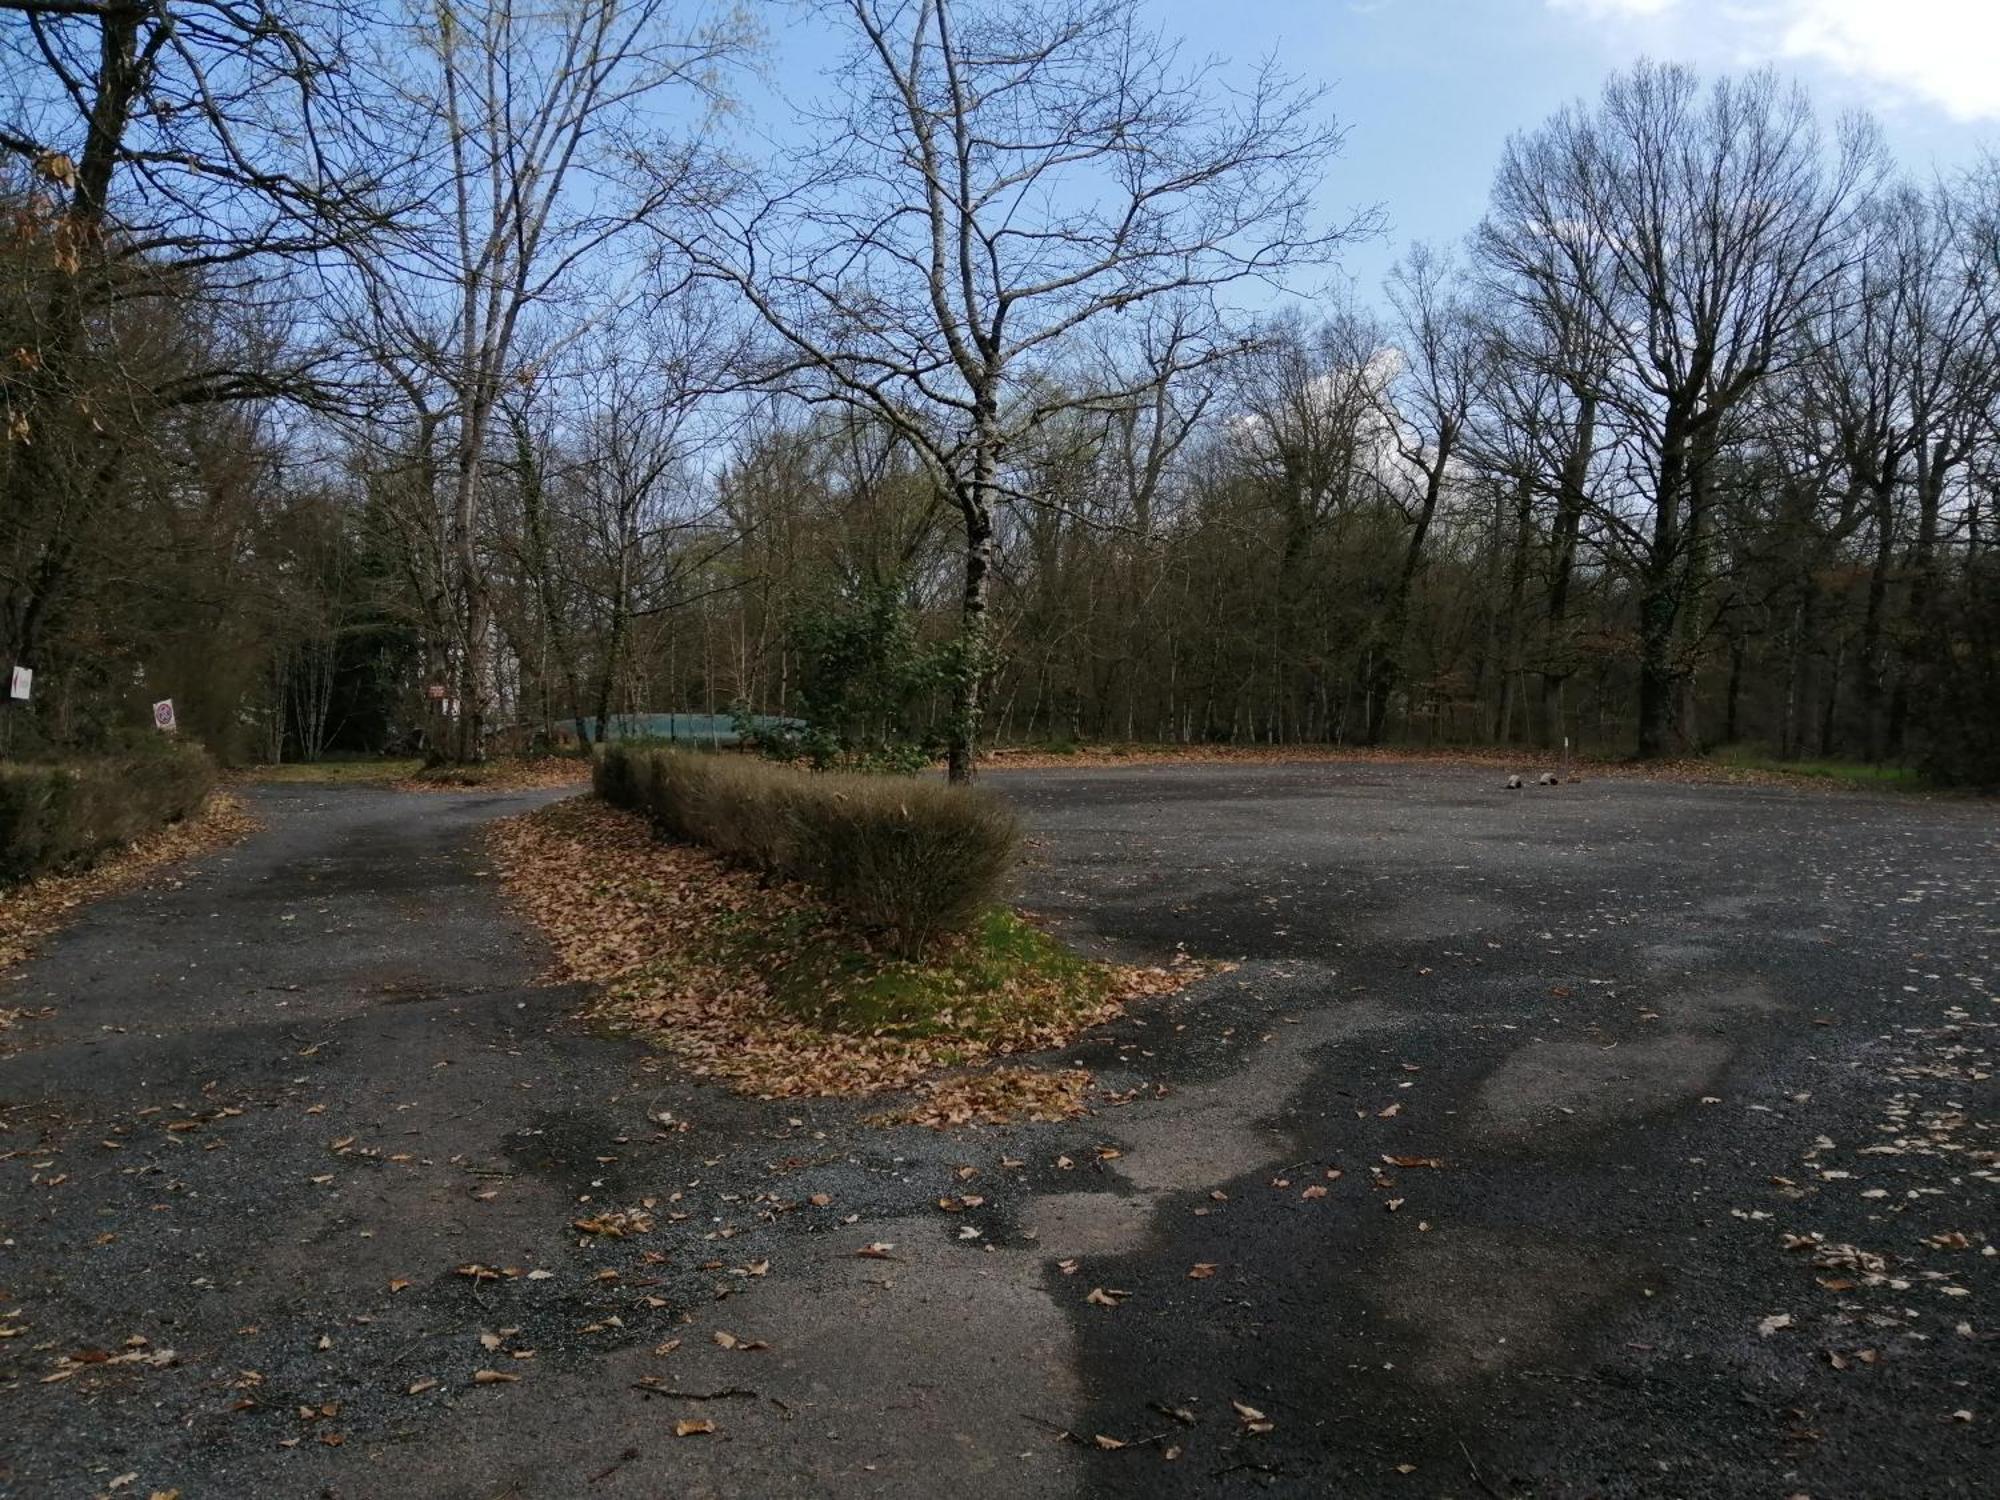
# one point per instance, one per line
(569, 1146)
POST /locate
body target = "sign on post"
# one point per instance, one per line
(22, 685)
(163, 716)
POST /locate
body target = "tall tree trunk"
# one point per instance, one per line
(1517, 581)
(37, 478)
(1659, 597)
(1732, 725)
(1570, 496)
(475, 598)
(1931, 471)
(1389, 660)
(969, 670)
(1874, 666)
(614, 645)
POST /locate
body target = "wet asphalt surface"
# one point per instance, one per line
(1691, 1090)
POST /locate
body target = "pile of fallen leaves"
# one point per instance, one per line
(638, 918)
(36, 908)
(994, 1098)
(514, 773)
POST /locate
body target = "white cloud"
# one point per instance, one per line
(1944, 53)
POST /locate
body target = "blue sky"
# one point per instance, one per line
(1430, 89)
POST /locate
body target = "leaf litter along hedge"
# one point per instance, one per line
(760, 983)
(61, 815)
(913, 860)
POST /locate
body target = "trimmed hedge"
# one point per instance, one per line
(913, 860)
(58, 815)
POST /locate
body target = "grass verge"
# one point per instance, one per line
(1846, 772)
(1729, 766)
(31, 911)
(503, 773)
(763, 985)
(360, 771)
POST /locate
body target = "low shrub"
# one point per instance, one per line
(912, 860)
(57, 815)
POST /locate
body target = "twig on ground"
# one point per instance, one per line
(727, 1392)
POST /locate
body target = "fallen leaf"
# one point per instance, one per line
(494, 1377)
(693, 1427)
(1202, 1270)
(1253, 1419)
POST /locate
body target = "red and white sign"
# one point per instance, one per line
(23, 683)
(163, 716)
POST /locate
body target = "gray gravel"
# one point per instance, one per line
(1709, 1073)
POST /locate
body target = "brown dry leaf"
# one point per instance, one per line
(1315, 1191)
(418, 1387)
(1000, 1096)
(877, 1251)
(1253, 1420)
(494, 1377)
(1389, 1113)
(634, 923)
(693, 1427)
(1413, 1161)
(1109, 1444)
(398, 1283)
(1201, 1270)
(820, 1200)
(617, 1223)
(1106, 1296)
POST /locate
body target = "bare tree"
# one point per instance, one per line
(174, 152)
(1696, 230)
(1425, 406)
(534, 111)
(1000, 180)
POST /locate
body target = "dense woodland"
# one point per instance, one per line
(453, 377)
